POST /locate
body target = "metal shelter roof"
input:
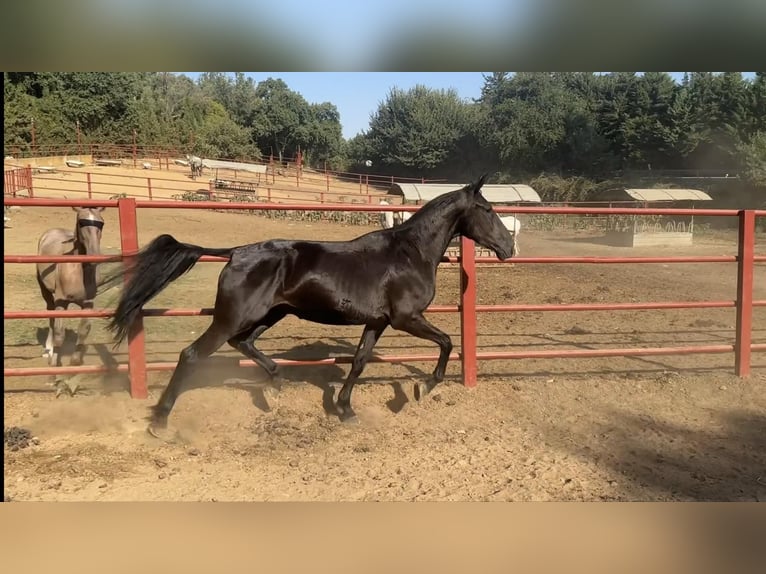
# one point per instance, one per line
(668, 194)
(234, 165)
(494, 193)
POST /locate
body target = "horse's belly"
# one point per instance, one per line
(327, 317)
(330, 308)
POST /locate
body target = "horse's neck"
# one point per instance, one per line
(78, 246)
(432, 232)
(90, 271)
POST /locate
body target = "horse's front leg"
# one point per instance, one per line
(363, 353)
(56, 341)
(83, 330)
(54, 358)
(48, 352)
(418, 326)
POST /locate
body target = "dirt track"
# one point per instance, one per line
(657, 428)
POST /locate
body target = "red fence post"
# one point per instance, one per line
(29, 181)
(468, 311)
(745, 269)
(136, 337)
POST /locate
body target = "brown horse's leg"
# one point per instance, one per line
(54, 359)
(58, 334)
(50, 306)
(363, 353)
(83, 330)
(49, 339)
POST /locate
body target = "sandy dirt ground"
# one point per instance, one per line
(652, 428)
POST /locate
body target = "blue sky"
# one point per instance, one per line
(357, 95)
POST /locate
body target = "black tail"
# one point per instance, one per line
(156, 266)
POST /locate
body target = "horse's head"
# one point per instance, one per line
(89, 226)
(480, 222)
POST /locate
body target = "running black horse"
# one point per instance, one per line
(385, 277)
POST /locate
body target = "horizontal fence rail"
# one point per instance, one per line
(467, 308)
(273, 180)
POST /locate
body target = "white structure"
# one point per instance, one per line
(513, 225)
(498, 194)
(645, 230)
(386, 217)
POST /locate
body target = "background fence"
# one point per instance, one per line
(137, 367)
(17, 180)
(273, 184)
(163, 158)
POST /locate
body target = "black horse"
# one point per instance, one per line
(385, 277)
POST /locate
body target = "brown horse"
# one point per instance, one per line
(64, 283)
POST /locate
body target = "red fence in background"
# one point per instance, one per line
(306, 186)
(135, 154)
(16, 180)
(137, 367)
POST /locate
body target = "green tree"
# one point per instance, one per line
(752, 157)
(278, 119)
(416, 130)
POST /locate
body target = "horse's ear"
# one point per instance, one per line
(75, 208)
(480, 183)
(100, 208)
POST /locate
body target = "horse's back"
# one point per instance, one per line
(55, 242)
(329, 282)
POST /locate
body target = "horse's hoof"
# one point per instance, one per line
(63, 387)
(270, 392)
(349, 419)
(346, 415)
(421, 390)
(159, 431)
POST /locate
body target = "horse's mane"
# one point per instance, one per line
(436, 205)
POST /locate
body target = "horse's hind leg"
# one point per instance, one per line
(363, 353)
(244, 342)
(418, 326)
(207, 344)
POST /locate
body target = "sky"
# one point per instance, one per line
(357, 95)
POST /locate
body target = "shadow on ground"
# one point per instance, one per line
(663, 461)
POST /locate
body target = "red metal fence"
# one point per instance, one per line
(16, 180)
(164, 158)
(137, 367)
(299, 185)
